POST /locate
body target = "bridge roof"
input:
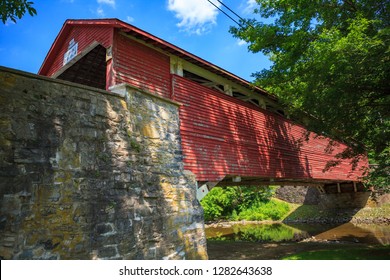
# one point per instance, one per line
(149, 39)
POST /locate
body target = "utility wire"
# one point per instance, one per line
(231, 11)
(226, 13)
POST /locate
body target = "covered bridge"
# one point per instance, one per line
(232, 132)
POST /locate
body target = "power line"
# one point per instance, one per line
(231, 10)
(226, 13)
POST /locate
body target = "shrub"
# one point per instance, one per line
(267, 210)
(219, 202)
(243, 203)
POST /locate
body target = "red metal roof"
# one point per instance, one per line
(150, 39)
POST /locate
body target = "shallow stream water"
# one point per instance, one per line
(279, 232)
(273, 240)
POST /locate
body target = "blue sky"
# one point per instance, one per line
(193, 25)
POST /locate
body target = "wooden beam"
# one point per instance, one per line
(245, 98)
(265, 182)
(254, 103)
(354, 187)
(338, 188)
(321, 189)
(211, 185)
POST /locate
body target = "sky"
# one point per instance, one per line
(193, 25)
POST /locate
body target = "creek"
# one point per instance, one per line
(275, 240)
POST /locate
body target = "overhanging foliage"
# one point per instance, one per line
(331, 60)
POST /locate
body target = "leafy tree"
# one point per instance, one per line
(12, 9)
(331, 61)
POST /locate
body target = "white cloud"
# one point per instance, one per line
(249, 6)
(195, 16)
(107, 2)
(9, 22)
(129, 19)
(100, 12)
(241, 42)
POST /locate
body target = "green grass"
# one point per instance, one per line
(376, 212)
(374, 253)
(308, 211)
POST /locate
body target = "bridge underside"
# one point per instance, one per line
(323, 186)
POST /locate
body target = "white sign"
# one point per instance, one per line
(202, 192)
(71, 52)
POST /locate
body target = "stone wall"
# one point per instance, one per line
(344, 200)
(311, 195)
(298, 194)
(89, 174)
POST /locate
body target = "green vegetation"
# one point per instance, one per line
(331, 68)
(257, 204)
(374, 213)
(246, 203)
(135, 146)
(269, 233)
(272, 209)
(12, 9)
(373, 253)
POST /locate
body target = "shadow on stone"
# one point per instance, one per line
(89, 174)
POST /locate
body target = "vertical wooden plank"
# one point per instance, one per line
(84, 36)
(142, 67)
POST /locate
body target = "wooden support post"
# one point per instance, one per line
(228, 90)
(262, 103)
(338, 188)
(177, 67)
(354, 187)
(321, 189)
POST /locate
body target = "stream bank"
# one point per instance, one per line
(307, 229)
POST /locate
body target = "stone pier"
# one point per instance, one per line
(92, 174)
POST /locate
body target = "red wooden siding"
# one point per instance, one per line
(141, 66)
(222, 135)
(84, 35)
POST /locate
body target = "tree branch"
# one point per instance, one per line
(351, 4)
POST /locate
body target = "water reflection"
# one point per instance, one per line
(266, 232)
(279, 232)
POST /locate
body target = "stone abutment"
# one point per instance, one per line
(92, 174)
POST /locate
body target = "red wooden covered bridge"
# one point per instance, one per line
(232, 132)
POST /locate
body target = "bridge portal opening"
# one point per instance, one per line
(88, 69)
